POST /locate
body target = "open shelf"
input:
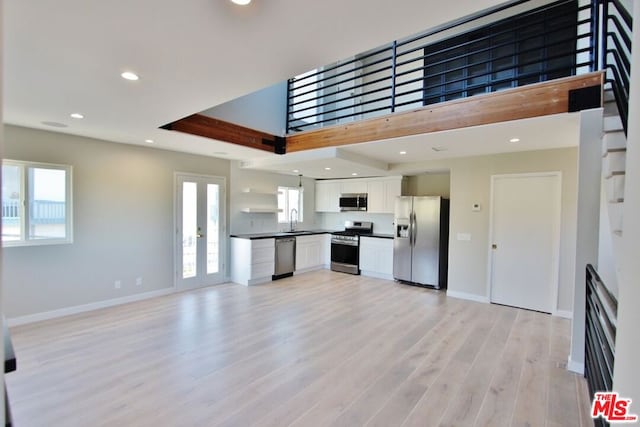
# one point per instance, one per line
(261, 210)
(259, 192)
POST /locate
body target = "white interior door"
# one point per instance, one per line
(525, 238)
(200, 231)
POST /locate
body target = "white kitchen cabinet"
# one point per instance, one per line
(353, 186)
(310, 252)
(326, 255)
(327, 196)
(382, 193)
(376, 257)
(252, 261)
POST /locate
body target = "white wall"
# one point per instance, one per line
(2, 415)
(626, 375)
(608, 265)
(264, 110)
(242, 222)
(123, 222)
(429, 184)
(470, 183)
(588, 221)
(382, 223)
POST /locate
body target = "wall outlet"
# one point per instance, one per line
(117, 284)
(139, 281)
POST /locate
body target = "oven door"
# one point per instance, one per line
(344, 257)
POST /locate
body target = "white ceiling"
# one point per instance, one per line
(66, 56)
(384, 158)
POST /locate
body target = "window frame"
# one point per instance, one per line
(287, 208)
(25, 187)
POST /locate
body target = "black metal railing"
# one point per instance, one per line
(616, 29)
(504, 47)
(600, 335)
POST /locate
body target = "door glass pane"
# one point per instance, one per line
(189, 229)
(47, 203)
(11, 207)
(213, 228)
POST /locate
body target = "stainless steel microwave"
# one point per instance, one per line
(353, 202)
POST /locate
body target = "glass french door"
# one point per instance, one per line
(200, 230)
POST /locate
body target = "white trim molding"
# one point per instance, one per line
(54, 314)
(469, 297)
(565, 314)
(576, 367)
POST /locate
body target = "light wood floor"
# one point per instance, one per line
(318, 349)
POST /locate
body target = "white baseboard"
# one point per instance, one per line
(470, 297)
(576, 367)
(54, 314)
(566, 314)
(306, 270)
(376, 275)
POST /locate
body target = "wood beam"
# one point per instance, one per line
(529, 101)
(208, 127)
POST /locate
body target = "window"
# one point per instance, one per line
(289, 198)
(36, 203)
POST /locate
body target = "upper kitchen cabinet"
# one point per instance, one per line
(328, 196)
(353, 186)
(382, 193)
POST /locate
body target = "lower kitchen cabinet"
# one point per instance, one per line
(376, 257)
(310, 252)
(252, 261)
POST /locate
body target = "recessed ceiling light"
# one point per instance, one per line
(55, 124)
(149, 141)
(296, 171)
(77, 116)
(514, 140)
(241, 2)
(327, 169)
(128, 75)
(354, 174)
(403, 152)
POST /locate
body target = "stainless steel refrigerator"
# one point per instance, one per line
(421, 241)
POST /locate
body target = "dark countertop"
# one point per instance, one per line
(256, 236)
(378, 235)
(273, 234)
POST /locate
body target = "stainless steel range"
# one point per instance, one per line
(345, 246)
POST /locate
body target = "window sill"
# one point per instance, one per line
(42, 242)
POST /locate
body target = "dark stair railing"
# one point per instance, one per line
(617, 27)
(504, 47)
(600, 336)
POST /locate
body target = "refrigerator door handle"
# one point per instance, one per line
(414, 228)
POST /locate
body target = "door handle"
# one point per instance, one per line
(199, 234)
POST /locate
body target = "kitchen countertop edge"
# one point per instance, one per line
(257, 236)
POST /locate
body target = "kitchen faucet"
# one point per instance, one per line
(292, 227)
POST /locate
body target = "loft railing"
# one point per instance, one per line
(600, 335)
(504, 47)
(616, 30)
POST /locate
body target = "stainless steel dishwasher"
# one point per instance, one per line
(285, 257)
